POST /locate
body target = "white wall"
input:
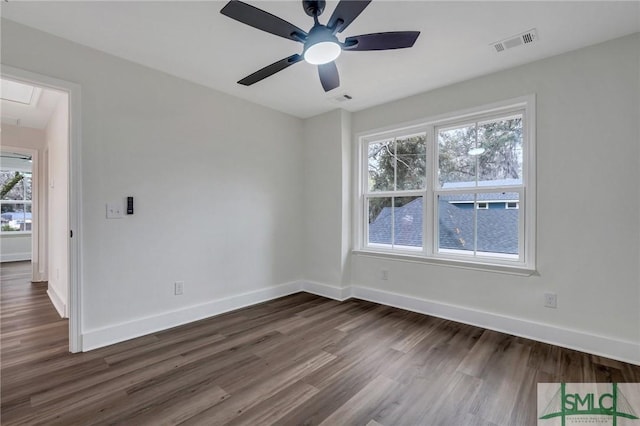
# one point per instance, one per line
(216, 182)
(19, 247)
(57, 187)
(327, 144)
(15, 247)
(588, 238)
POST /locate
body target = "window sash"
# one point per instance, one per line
(476, 122)
(436, 251)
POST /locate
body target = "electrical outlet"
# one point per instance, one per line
(551, 300)
(384, 274)
(178, 288)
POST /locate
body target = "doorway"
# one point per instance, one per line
(40, 122)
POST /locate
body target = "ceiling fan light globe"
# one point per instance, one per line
(322, 52)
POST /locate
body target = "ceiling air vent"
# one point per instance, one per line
(517, 40)
(343, 98)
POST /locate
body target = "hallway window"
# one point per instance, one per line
(15, 192)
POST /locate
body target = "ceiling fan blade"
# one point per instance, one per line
(269, 70)
(258, 18)
(329, 76)
(345, 12)
(381, 41)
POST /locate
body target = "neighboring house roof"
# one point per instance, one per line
(497, 227)
(408, 225)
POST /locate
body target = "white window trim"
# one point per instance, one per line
(526, 205)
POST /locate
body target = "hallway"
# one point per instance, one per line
(32, 331)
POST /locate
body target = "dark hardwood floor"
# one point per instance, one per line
(297, 360)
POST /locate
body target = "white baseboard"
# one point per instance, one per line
(573, 339)
(14, 257)
(57, 302)
(93, 339)
(326, 290)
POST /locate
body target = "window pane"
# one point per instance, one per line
(16, 217)
(478, 224)
(380, 220)
(15, 185)
(456, 223)
(456, 166)
(411, 162)
(501, 161)
(12, 184)
(407, 213)
(498, 226)
(381, 166)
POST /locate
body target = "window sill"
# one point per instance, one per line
(487, 267)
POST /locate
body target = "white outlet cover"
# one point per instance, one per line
(551, 300)
(114, 211)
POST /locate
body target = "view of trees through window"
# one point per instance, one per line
(396, 165)
(481, 152)
(15, 200)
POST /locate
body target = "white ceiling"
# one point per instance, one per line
(192, 40)
(35, 114)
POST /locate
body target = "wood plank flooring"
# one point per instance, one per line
(297, 360)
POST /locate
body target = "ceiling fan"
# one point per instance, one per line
(321, 46)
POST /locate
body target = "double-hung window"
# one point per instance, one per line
(456, 189)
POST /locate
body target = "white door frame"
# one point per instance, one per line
(75, 192)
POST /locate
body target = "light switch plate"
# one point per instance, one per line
(114, 211)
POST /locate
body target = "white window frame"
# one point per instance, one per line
(524, 264)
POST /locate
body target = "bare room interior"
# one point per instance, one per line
(346, 212)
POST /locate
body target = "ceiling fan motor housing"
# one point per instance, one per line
(314, 7)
